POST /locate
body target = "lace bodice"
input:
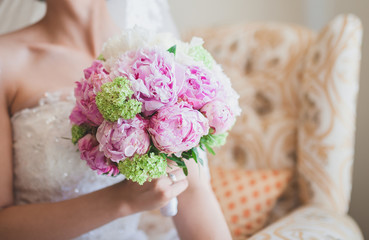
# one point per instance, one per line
(47, 166)
(45, 158)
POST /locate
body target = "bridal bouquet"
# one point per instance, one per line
(149, 98)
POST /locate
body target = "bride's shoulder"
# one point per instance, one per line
(13, 57)
(11, 49)
(13, 45)
(15, 51)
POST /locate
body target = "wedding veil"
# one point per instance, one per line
(151, 14)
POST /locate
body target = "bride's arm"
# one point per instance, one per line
(62, 220)
(71, 218)
(199, 214)
(6, 168)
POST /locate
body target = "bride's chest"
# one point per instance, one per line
(46, 71)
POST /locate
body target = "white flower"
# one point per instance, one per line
(130, 39)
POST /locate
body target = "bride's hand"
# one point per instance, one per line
(154, 194)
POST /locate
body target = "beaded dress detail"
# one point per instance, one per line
(47, 166)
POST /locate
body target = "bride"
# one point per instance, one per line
(46, 191)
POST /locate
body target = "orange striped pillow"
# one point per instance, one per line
(247, 196)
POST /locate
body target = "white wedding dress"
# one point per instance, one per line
(47, 166)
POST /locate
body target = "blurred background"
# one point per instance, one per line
(314, 14)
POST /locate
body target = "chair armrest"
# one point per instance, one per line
(312, 222)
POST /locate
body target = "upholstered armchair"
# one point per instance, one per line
(298, 93)
(285, 171)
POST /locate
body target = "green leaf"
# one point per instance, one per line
(210, 136)
(199, 159)
(202, 146)
(173, 49)
(210, 150)
(153, 149)
(185, 171)
(173, 158)
(187, 155)
(180, 163)
(194, 154)
(214, 140)
(101, 58)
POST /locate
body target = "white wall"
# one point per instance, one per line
(314, 14)
(198, 13)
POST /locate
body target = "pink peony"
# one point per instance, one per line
(220, 116)
(200, 87)
(77, 116)
(124, 138)
(156, 78)
(177, 128)
(85, 92)
(96, 72)
(89, 148)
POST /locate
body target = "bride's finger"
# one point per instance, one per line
(178, 187)
(172, 178)
(178, 172)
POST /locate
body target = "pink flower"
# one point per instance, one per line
(85, 92)
(177, 128)
(96, 69)
(89, 148)
(200, 87)
(156, 78)
(77, 116)
(124, 138)
(220, 116)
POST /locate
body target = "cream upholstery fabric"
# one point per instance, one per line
(327, 116)
(311, 222)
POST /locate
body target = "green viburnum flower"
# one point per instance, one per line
(114, 100)
(215, 140)
(78, 132)
(199, 53)
(142, 168)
